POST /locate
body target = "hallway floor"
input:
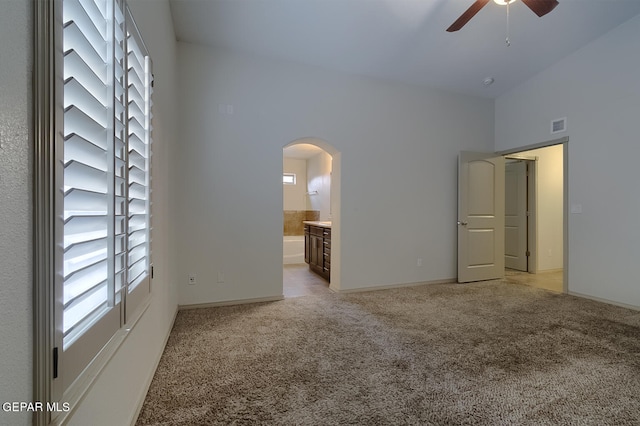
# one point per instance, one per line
(298, 280)
(547, 280)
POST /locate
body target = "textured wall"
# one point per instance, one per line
(394, 172)
(15, 207)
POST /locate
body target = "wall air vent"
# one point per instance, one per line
(559, 125)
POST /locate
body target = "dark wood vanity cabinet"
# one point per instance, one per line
(317, 249)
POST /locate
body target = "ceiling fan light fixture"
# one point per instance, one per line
(503, 2)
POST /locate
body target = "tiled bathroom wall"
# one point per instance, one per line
(293, 220)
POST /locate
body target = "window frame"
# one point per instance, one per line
(51, 378)
(287, 174)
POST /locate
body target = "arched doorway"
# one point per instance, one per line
(311, 196)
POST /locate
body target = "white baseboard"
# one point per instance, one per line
(548, 271)
(230, 302)
(607, 301)
(387, 287)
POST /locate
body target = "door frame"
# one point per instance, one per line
(564, 141)
(532, 209)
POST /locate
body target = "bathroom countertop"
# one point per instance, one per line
(323, 224)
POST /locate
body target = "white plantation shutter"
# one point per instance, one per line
(139, 155)
(106, 181)
(86, 166)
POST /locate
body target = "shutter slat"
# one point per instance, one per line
(88, 19)
(83, 279)
(137, 160)
(75, 293)
(134, 79)
(137, 237)
(136, 273)
(135, 127)
(137, 207)
(76, 95)
(95, 57)
(85, 152)
(135, 64)
(135, 95)
(89, 13)
(84, 203)
(81, 176)
(84, 228)
(78, 123)
(136, 254)
(136, 175)
(136, 144)
(137, 191)
(136, 112)
(79, 256)
(84, 310)
(89, 78)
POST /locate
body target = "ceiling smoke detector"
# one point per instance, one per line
(488, 81)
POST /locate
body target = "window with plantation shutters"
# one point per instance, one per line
(104, 178)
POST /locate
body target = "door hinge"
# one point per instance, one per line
(151, 271)
(528, 253)
(55, 363)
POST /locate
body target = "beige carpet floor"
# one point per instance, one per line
(491, 353)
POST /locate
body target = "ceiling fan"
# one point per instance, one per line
(539, 7)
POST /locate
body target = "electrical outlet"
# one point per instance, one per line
(220, 277)
(192, 279)
(419, 262)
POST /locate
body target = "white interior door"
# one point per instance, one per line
(515, 215)
(480, 216)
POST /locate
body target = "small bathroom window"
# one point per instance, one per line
(289, 178)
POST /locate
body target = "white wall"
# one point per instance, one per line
(549, 183)
(319, 179)
(123, 382)
(597, 89)
(16, 179)
(295, 196)
(398, 147)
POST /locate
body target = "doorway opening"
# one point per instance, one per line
(310, 197)
(535, 217)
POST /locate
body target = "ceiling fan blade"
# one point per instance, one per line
(466, 16)
(541, 7)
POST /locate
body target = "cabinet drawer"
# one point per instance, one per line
(326, 233)
(315, 230)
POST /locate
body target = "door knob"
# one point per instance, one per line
(463, 223)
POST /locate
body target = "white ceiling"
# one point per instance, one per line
(403, 40)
